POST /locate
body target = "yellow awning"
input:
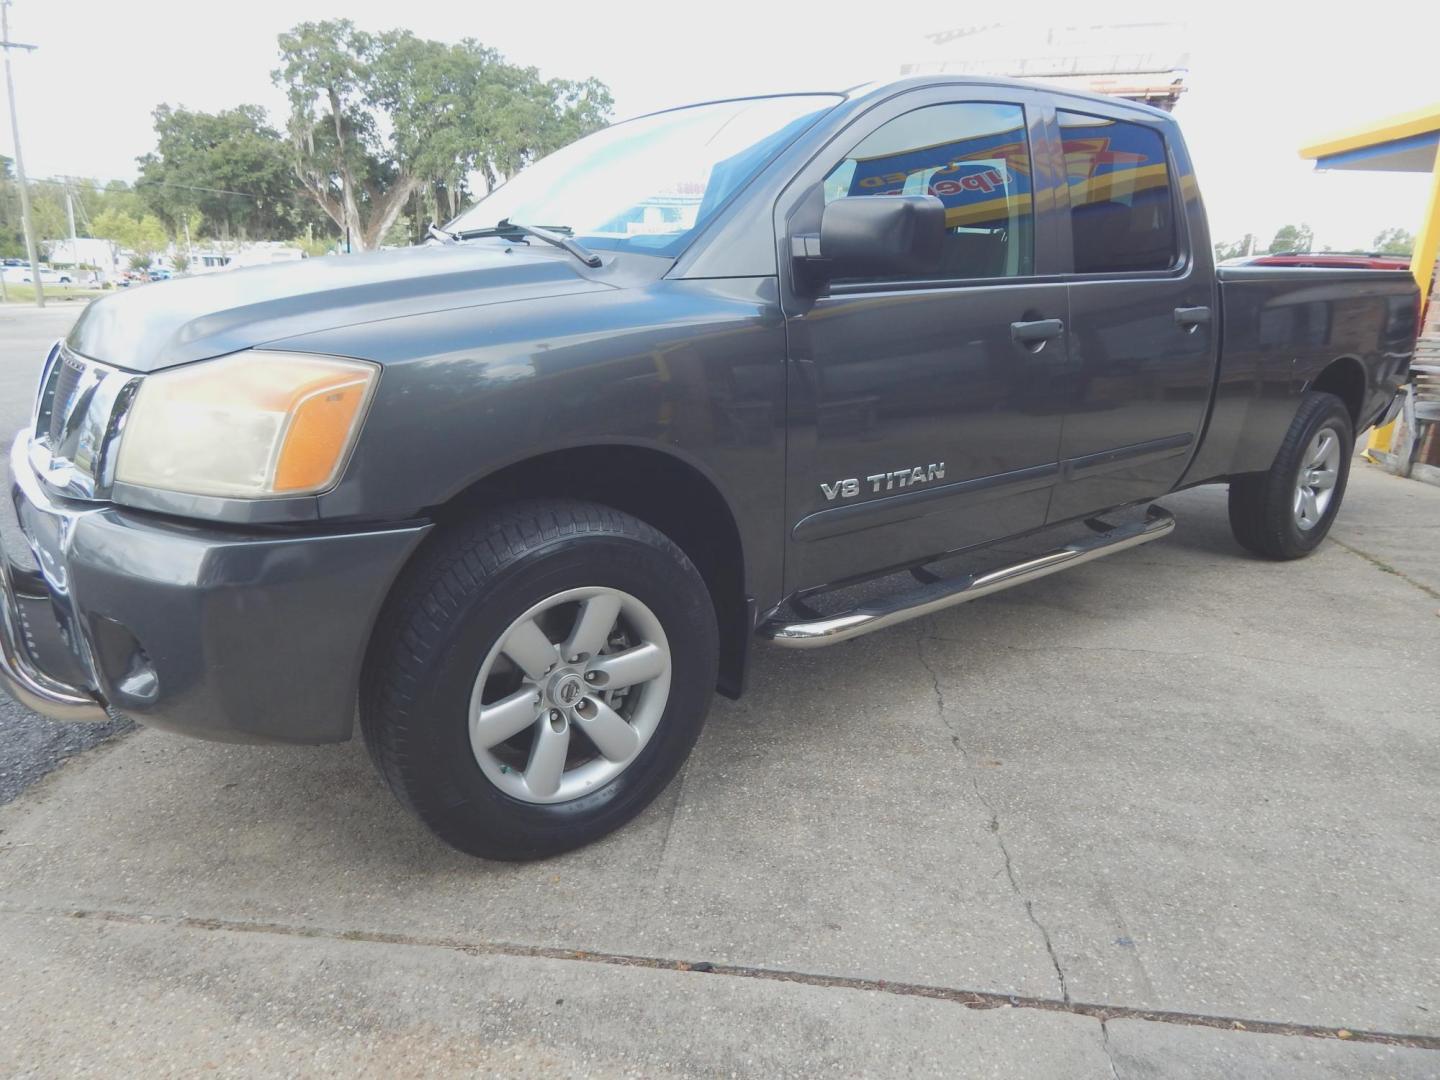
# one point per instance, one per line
(1405, 142)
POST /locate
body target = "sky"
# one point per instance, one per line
(1263, 80)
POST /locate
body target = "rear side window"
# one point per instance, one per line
(975, 158)
(1122, 213)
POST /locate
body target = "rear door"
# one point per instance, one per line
(918, 413)
(1142, 342)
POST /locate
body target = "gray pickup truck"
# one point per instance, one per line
(522, 498)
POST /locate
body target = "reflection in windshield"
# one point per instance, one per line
(644, 185)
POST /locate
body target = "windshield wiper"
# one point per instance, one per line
(558, 235)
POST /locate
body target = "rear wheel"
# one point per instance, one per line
(1285, 512)
(539, 676)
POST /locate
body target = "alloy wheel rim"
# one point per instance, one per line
(569, 695)
(1319, 472)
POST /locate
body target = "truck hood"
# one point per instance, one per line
(156, 326)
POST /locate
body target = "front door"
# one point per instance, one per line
(920, 411)
(1142, 312)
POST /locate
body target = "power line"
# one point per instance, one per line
(84, 214)
(151, 183)
(192, 187)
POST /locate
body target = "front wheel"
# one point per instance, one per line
(539, 676)
(1285, 512)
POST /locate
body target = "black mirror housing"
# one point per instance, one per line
(865, 235)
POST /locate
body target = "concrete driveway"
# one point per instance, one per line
(1169, 814)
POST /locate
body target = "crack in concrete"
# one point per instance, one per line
(1384, 567)
(994, 822)
(973, 999)
(1050, 948)
(1105, 1047)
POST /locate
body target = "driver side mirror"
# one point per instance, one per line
(875, 236)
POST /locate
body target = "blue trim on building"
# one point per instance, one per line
(1349, 158)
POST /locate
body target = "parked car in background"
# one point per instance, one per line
(523, 498)
(22, 275)
(160, 273)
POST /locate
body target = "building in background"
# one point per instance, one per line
(1142, 61)
(1405, 143)
(263, 253)
(207, 261)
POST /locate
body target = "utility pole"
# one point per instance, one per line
(6, 44)
(74, 243)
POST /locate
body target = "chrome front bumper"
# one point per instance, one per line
(20, 674)
(244, 635)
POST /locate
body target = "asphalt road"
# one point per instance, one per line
(1168, 814)
(30, 746)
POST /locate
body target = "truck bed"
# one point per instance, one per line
(1280, 328)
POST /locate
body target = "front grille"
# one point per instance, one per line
(65, 375)
(76, 414)
(45, 398)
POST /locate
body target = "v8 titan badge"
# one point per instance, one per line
(900, 478)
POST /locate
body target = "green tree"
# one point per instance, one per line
(150, 236)
(1292, 238)
(231, 167)
(47, 211)
(144, 236)
(48, 208)
(1394, 241)
(377, 119)
(191, 229)
(116, 195)
(1231, 250)
(12, 237)
(314, 245)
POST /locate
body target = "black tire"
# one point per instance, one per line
(1262, 505)
(460, 594)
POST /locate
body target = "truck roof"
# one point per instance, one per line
(880, 90)
(916, 82)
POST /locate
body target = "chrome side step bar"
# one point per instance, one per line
(947, 592)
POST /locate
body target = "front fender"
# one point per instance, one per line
(695, 369)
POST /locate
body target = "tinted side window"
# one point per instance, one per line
(974, 157)
(1122, 215)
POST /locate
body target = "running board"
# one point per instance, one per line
(947, 592)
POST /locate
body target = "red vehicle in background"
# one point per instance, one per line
(1342, 260)
(1338, 260)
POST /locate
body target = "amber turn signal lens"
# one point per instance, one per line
(318, 433)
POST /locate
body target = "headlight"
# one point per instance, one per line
(250, 425)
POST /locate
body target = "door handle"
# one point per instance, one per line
(1035, 333)
(1191, 319)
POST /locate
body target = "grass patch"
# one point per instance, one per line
(17, 293)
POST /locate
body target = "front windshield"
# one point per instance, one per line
(645, 185)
